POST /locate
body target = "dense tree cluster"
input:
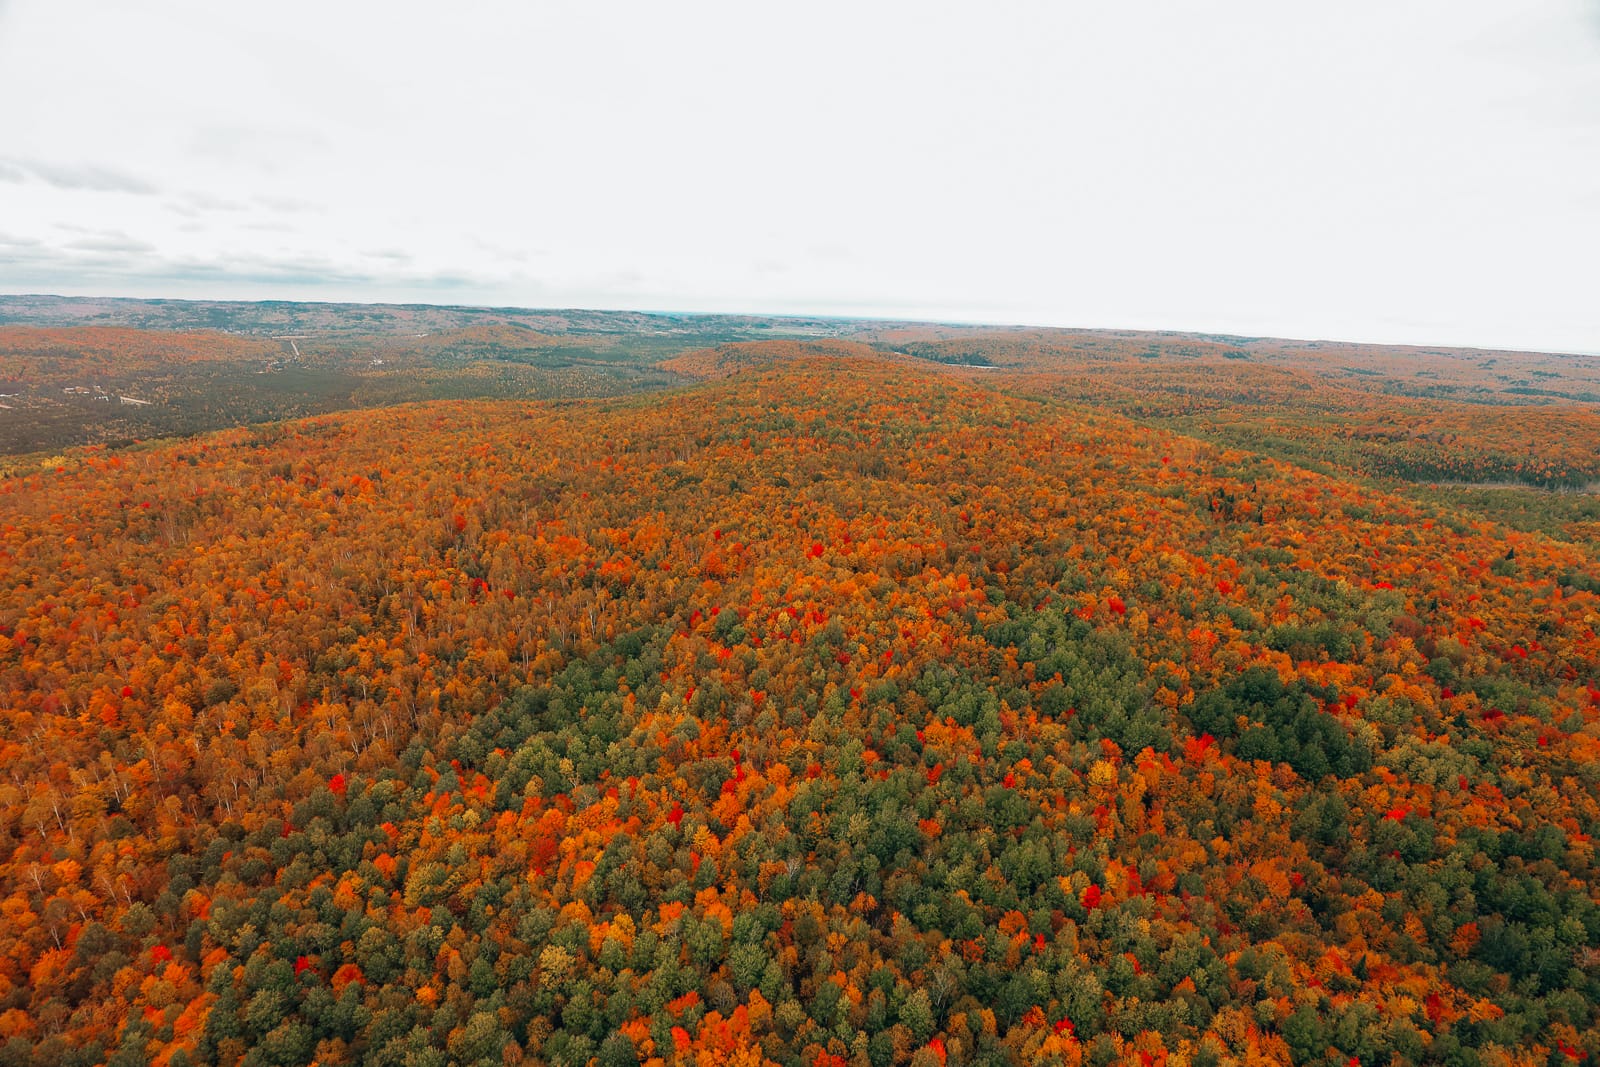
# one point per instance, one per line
(65, 387)
(838, 712)
(31, 354)
(1361, 424)
(1416, 415)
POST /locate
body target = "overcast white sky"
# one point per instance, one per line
(1372, 170)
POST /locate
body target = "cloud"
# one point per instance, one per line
(254, 142)
(90, 178)
(307, 272)
(1399, 162)
(109, 262)
(287, 204)
(194, 203)
(111, 242)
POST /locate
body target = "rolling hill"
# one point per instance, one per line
(820, 703)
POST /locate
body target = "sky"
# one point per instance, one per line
(1378, 170)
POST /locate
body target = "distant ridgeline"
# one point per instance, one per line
(1441, 419)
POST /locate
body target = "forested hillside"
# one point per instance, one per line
(843, 708)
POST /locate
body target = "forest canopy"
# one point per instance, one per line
(846, 707)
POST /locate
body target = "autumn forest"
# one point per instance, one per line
(454, 686)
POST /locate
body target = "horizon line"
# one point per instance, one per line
(801, 315)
